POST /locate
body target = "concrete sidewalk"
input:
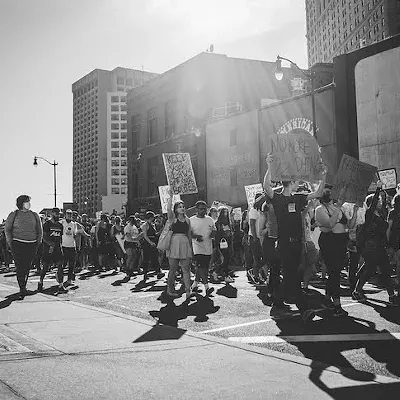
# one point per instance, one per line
(51, 348)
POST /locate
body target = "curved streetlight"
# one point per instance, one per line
(54, 164)
(310, 77)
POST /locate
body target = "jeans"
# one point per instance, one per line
(70, 259)
(256, 250)
(23, 254)
(271, 257)
(132, 255)
(150, 258)
(202, 267)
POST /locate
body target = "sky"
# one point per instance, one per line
(46, 45)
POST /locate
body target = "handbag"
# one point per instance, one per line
(165, 238)
(223, 244)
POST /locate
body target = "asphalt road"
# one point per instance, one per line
(367, 340)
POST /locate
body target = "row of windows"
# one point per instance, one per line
(119, 135)
(117, 154)
(118, 163)
(119, 181)
(117, 117)
(117, 126)
(117, 172)
(116, 107)
(88, 87)
(115, 190)
(118, 99)
(117, 145)
(123, 81)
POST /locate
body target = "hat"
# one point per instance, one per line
(55, 209)
(69, 211)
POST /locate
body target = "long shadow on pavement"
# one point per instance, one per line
(160, 332)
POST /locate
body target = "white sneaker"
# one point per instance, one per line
(229, 279)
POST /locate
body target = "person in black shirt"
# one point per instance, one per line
(52, 251)
(288, 206)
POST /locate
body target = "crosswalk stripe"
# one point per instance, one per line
(318, 338)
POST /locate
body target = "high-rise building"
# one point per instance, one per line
(336, 27)
(99, 137)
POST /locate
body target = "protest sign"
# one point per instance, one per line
(251, 191)
(237, 214)
(353, 179)
(164, 197)
(218, 204)
(388, 177)
(296, 156)
(179, 170)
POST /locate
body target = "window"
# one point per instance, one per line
(233, 137)
(123, 190)
(114, 126)
(114, 190)
(124, 172)
(115, 172)
(114, 117)
(136, 121)
(123, 153)
(123, 117)
(170, 116)
(151, 126)
(115, 163)
(124, 144)
(123, 99)
(124, 135)
(233, 177)
(124, 181)
(114, 153)
(114, 181)
(114, 107)
(124, 126)
(120, 89)
(115, 99)
(124, 163)
(124, 107)
(129, 82)
(120, 80)
(152, 170)
(114, 145)
(114, 135)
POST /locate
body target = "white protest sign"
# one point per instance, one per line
(218, 204)
(388, 178)
(251, 191)
(164, 197)
(237, 214)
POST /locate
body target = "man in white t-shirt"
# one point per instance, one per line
(68, 244)
(203, 230)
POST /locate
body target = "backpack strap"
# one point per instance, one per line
(13, 220)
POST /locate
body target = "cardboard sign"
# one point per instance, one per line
(218, 204)
(121, 241)
(296, 157)
(237, 214)
(251, 191)
(388, 178)
(352, 180)
(180, 175)
(164, 197)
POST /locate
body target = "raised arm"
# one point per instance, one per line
(170, 212)
(267, 177)
(318, 193)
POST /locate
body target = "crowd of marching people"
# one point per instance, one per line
(289, 236)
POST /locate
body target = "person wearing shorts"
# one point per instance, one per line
(203, 230)
(52, 251)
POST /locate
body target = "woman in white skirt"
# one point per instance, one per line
(180, 251)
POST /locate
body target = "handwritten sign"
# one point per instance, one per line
(237, 214)
(353, 179)
(296, 157)
(164, 197)
(218, 204)
(179, 170)
(251, 191)
(388, 178)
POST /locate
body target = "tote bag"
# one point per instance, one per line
(165, 238)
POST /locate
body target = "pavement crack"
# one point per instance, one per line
(12, 390)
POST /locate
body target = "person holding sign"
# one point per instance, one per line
(333, 224)
(180, 251)
(288, 206)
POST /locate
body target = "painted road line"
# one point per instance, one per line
(261, 321)
(363, 337)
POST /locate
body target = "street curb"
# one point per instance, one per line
(245, 347)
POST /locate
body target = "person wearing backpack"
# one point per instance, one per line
(24, 234)
(372, 242)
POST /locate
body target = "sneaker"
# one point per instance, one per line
(68, 282)
(250, 276)
(160, 275)
(339, 312)
(62, 289)
(360, 297)
(40, 287)
(328, 304)
(307, 316)
(209, 291)
(228, 279)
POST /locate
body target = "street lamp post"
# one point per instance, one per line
(310, 76)
(54, 164)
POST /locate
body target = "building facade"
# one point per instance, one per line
(169, 114)
(336, 27)
(99, 135)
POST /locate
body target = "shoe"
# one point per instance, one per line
(160, 275)
(307, 316)
(250, 276)
(195, 289)
(358, 296)
(40, 287)
(394, 300)
(209, 291)
(68, 282)
(327, 304)
(62, 289)
(339, 312)
(21, 296)
(228, 279)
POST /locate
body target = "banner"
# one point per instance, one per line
(164, 197)
(179, 170)
(353, 179)
(237, 214)
(218, 204)
(388, 177)
(251, 191)
(296, 157)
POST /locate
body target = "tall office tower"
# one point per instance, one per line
(99, 141)
(335, 27)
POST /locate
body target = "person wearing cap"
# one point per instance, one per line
(24, 234)
(52, 251)
(68, 243)
(288, 206)
(132, 247)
